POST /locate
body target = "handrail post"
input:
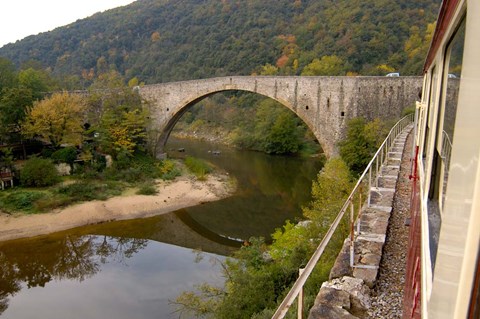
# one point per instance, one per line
(369, 185)
(352, 235)
(359, 211)
(300, 298)
(381, 155)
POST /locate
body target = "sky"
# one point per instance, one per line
(21, 18)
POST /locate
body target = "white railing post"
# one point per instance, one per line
(300, 298)
(352, 234)
(359, 210)
(369, 185)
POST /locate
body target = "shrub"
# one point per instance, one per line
(65, 155)
(85, 191)
(47, 203)
(123, 160)
(99, 162)
(198, 167)
(361, 142)
(38, 172)
(147, 189)
(47, 152)
(168, 170)
(20, 200)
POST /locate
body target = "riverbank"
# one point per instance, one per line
(172, 195)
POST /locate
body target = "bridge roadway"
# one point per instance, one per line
(323, 103)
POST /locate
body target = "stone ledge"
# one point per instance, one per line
(368, 251)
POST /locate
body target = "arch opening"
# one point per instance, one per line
(232, 113)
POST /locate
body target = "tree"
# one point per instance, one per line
(277, 130)
(416, 48)
(361, 142)
(269, 69)
(284, 136)
(8, 76)
(13, 105)
(329, 190)
(56, 120)
(327, 65)
(38, 81)
(123, 132)
(118, 115)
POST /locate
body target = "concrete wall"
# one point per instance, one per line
(325, 104)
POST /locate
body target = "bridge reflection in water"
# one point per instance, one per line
(140, 262)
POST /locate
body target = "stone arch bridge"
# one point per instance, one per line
(323, 103)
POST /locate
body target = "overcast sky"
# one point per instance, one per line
(21, 18)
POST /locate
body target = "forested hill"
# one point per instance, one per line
(169, 40)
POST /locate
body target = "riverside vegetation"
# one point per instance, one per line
(80, 133)
(259, 275)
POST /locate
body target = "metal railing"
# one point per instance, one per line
(369, 175)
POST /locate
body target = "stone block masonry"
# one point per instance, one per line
(324, 103)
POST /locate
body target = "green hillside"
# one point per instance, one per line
(170, 40)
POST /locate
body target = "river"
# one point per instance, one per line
(135, 268)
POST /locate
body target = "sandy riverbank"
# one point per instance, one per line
(172, 195)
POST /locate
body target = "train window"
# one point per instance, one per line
(453, 70)
(431, 103)
(442, 132)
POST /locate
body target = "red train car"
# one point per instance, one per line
(443, 273)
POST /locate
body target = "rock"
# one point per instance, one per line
(358, 291)
(342, 263)
(367, 275)
(370, 259)
(108, 161)
(333, 297)
(322, 311)
(63, 169)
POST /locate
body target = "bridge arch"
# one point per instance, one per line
(186, 105)
(323, 103)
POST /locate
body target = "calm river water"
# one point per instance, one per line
(133, 269)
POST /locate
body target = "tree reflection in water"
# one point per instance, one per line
(64, 257)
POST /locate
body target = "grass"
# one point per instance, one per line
(14, 200)
(147, 189)
(198, 167)
(33, 201)
(89, 184)
(90, 190)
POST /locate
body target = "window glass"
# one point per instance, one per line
(454, 59)
(428, 115)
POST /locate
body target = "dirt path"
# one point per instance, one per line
(181, 193)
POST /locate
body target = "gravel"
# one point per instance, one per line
(387, 295)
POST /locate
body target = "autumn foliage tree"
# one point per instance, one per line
(122, 132)
(327, 65)
(56, 120)
(118, 116)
